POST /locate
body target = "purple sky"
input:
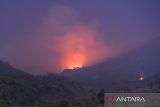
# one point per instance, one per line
(25, 24)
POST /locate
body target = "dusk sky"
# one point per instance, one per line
(51, 35)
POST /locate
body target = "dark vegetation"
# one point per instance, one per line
(20, 89)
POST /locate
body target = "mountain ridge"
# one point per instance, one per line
(18, 87)
(122, 71)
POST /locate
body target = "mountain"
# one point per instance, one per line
(19, 87)
(123, 72)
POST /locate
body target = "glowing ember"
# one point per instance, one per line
(141, 78)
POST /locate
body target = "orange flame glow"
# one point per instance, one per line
(79, 48)
(141, 78)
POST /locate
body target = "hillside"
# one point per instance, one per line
(122, 72)
(18, 87)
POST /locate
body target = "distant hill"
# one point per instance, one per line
(19, 87)
(122, 72)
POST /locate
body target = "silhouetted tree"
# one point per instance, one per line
(159, 83)
(100, 96)
(150, 85)
(64, 104)
(92, 94)
(2, 104)
(126, 90)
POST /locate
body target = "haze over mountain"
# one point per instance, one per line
(123, 71)
(57, 34)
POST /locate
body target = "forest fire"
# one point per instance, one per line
(79, 47)
(141, 77)
(75, 61)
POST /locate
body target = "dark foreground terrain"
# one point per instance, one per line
(20, 89)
